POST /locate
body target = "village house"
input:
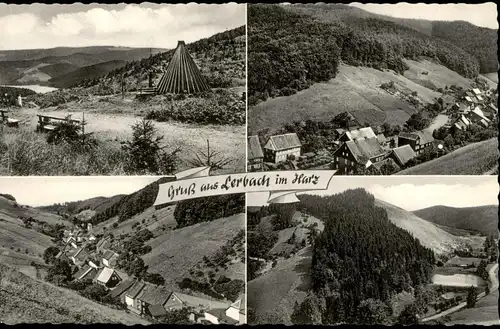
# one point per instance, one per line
(151, 300)
(402, 154)
(476, 91)
(382, 140)
(130, 297)
(359, 152)
(280, 148)
(121, 290)
(237, 310)
(177, 301)
(255, 156)
(392, 141)
(62, 256)
(108, 277)
(109, 258)
(103, 245)
(462, 123)
(418, 140)
(361, 133)
(477, 116)
(86, 272)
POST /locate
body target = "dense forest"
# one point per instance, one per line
(222, 53)
(192, 211)
(359, 261)
(288, 50)
(478, 41)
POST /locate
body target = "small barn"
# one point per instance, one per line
(280, 147)
(109, 258)
(418, 140)
(477, 116)
(402, 154)
(255, 156)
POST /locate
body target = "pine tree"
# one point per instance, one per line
(471, 297)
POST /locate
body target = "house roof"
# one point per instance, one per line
(105, 274)
(479, 98)
(425, 136)
(404, 153)
(381, 138)
(468, 98)
(157, 310)
(85, 271)
(364, 149)
(283, 142)
(468, 93)
(108, 254)
(480, 113)
(135, 289)
(240, 304)
(102, 243)
(76, 252)
(476, 91)
(366, 132)
(121, 288)
(379, 164)
(154, 295)
(200, 302)
(254, 149)
(82, 255)
(220, 314)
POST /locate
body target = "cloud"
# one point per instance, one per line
(134, 26)
(413, 197)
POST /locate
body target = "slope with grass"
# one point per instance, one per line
(354, 89)
(426, 232)
(176, 252)
(272, 296)
(474, 159)
(27, 300)
(11, 211)
(481, 219)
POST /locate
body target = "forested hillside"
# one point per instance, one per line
(221, 59)
(482, 219)
(478, 41)
(289, 48)
(359, 261)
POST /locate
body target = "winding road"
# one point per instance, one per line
(493, 287)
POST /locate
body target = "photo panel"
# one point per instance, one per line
(373, 89)
(88, 250)
(122, 89)
(375, 250)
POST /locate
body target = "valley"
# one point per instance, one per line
(380, 76)
(87, 254)
(109, 98)
(283, 273)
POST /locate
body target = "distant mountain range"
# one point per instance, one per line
(482, 219)
(63, 67)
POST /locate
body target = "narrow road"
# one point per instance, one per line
(493, 287)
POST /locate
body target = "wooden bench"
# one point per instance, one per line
(10, 122)
(48, 123)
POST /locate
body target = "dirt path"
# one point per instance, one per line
(229, 140)
(437, 123)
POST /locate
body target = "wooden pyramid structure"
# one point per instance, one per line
(182, 75)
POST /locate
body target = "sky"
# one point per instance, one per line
(484, 14)
(413, 192)
(41, 191)
(130, 25)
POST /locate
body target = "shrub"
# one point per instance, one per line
(145, 153)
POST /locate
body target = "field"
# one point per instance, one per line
(10, 212)
(177, 251)
(458, 280)
(430, 235)
(272, 295)
(27, 300)
(24, 240)
(110, 119)
(357, 90)
(474, 159)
